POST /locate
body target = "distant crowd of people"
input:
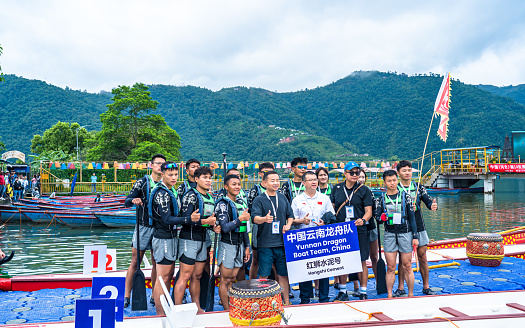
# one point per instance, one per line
(15, 187)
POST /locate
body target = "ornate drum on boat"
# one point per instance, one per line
(485, 249)
(256, 302)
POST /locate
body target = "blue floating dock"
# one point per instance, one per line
(50, 305)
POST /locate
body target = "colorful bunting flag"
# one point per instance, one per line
(105, 166)
(90, 166)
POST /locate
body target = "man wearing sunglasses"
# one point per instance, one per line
(353, 203)
(293, 187)
(138, 196)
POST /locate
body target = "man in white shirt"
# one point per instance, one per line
(311, 205)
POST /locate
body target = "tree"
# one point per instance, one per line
(130, 131)
(60, 137)
(1, 78)
(2, 146)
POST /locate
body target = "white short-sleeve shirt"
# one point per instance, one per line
(316, 206)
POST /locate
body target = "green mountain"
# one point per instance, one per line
(383, 114)
(516, 92)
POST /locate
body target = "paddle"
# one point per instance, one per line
(381, 269)
(210, 299)
(7, 258)
(138, 291)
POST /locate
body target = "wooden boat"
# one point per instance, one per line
(117, 219)
(78, 221)
(471, 310)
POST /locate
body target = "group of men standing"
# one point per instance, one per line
(176, 224)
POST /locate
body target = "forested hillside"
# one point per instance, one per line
(383, 114)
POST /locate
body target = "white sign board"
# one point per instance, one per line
(95, 259)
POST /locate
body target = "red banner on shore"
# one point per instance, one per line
(507, 168)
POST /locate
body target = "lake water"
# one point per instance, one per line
(58, 249)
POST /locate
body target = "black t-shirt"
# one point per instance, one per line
(261, 206)
(362, 198)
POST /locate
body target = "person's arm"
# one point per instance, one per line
(189, 209)
(411, 216)
(290, 216)
(222, 214)
(162, 202)
(429, 201)
(257, 213)
(296, 213)
(133, 198)
(246, 239)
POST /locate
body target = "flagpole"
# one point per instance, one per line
(440, 95)
(424, 150)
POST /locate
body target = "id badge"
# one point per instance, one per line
(248, 226)
(349, 213)
(275, 227)
(397, 217)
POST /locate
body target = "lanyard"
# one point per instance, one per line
(276, 207)
(327, 191)
(407, 191)
(295, 189)
(351, 195)
(391, 201)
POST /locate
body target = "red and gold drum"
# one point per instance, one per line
(485, 249)
(256, 302)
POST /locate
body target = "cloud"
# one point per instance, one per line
(277, 45)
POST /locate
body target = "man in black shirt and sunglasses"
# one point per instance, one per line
(353, 202)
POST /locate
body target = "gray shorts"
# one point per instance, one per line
(401, 242)
(372, 235)
(146, 236)
(192, 249)
(231, 256)
(423, 238)
(165, 249)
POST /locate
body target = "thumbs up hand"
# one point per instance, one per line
(269, 217)
(210, 220)
(245, 216)
(434, 206)
(306, 219)
(195, 216)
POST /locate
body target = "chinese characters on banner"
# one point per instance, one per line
(507, 168)
(321, 252)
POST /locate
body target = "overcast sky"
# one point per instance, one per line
(276, 45)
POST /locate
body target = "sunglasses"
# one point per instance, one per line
(171, 166)
(301, 167)
(351, 173)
